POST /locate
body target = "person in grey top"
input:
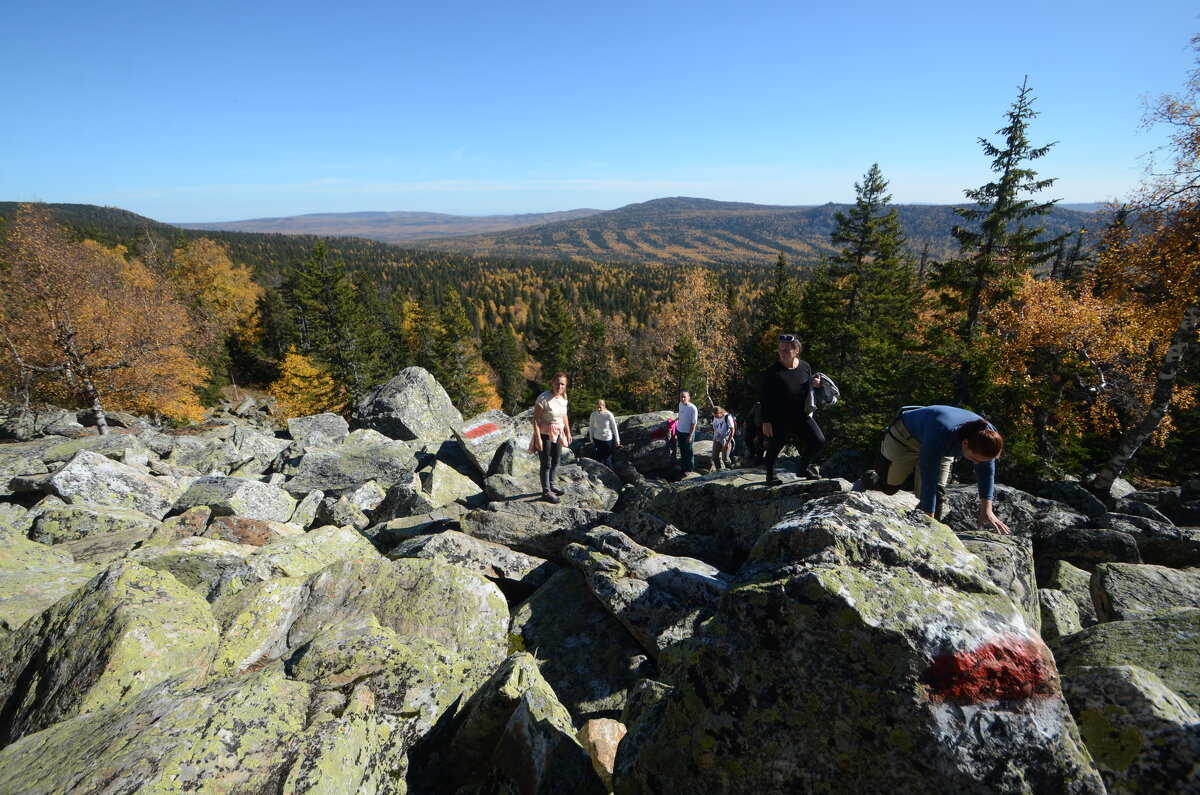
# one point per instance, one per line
(602, 430)
(685, 431)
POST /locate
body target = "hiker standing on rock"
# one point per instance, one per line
(723, 427)
(785, 399)
(923, 442)
(550, 430)
(685, 431)
(602, 429)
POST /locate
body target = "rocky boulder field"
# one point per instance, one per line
(385, 606)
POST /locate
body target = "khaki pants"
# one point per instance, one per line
(901, 455)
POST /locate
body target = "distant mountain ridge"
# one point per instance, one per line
(390, 227)
(690, 230)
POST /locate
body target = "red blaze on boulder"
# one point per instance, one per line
(481, 430)
(1004, 669)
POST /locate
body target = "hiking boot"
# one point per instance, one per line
(808, 472)
(550, 497)
(771, 479)
(869, 480)
(557, 490)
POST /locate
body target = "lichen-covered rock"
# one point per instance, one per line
(125, 630)
(318, 429)
(537, 529)
(498, 563)
(413, 405)
(1008, 560)
(1075, 583)
(341, 512)
(586, 655)
(515, 736)
(93, 479)
(1122, 591)
(387, 535)
(859, 650)
(306, 510)
(1073, 494)
(34, 576)
(404, 499)
(345, 749)
(1143, 737)
(231, 736)
(227, 496)
(644, 442)
(1027, 516)
(361, 456)
(654, 533)
(1085, 547)
(444, 484)
(660, 599)
(254, 623)
(1160, 543)
(253, 532)
(112, 446)
(1166, 644)
(415, 681)
(482, 436)
(586, 485)
(205, 565)
(1060, 616)
(305, 554)
(735, 506)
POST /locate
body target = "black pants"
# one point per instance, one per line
(548, 459)
(812, 441)
(604, 452)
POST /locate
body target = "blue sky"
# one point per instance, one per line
(222, 111)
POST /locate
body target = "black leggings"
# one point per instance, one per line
(548, 459)
(812, 441)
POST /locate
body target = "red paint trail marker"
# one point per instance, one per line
(481, 430)
(1005, 669)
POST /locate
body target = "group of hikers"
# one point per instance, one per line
(922, 441)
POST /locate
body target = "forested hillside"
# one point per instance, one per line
(730, 234)
(1060, 326)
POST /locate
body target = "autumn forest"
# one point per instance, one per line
(1079, 344)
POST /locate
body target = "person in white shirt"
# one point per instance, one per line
(602, 430)
(723, 427)
(550, 431)
(685, 431)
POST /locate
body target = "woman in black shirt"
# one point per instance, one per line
(785, 393)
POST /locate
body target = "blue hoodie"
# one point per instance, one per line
(936, 428)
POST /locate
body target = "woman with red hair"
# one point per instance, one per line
(924, 441)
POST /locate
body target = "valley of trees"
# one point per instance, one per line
(1079, 344)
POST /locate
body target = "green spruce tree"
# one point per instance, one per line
(456, 360)
(557, 337)
(502, 350)
(1000, 241)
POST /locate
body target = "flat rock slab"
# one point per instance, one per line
(228, 496)
(33, 577)
(91, 478)
(254, 532)
(1166, 644)
(494, 561)
(1123, 591)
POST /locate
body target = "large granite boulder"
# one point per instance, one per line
(1008, 560)
(859, 650)
(535, 528)
(644, 442)
(230, 736)
(1142, 736)
(126, 630)
(1122, 591)
(1076, 584)
(228, 496)
(34, 576)
(735, 507)
(363, 455)
(1087, 547)
(585, 654)
(482, 436)
(67, 523)
(94, 479)
(413, 405)
(253, 532)
(514, 736)
(511, 570)
(587, 484)
(1167, 644)
(1160, 543)
(444, 484)
(1059, 614)
(660, 599)
(205, 565)
(318, 429)
(1027, 516)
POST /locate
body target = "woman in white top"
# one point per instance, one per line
(550, 430)
(723, 426)
(602, 430)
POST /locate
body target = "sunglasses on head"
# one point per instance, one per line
(788, 338)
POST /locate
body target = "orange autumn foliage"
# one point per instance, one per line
(80, 324)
